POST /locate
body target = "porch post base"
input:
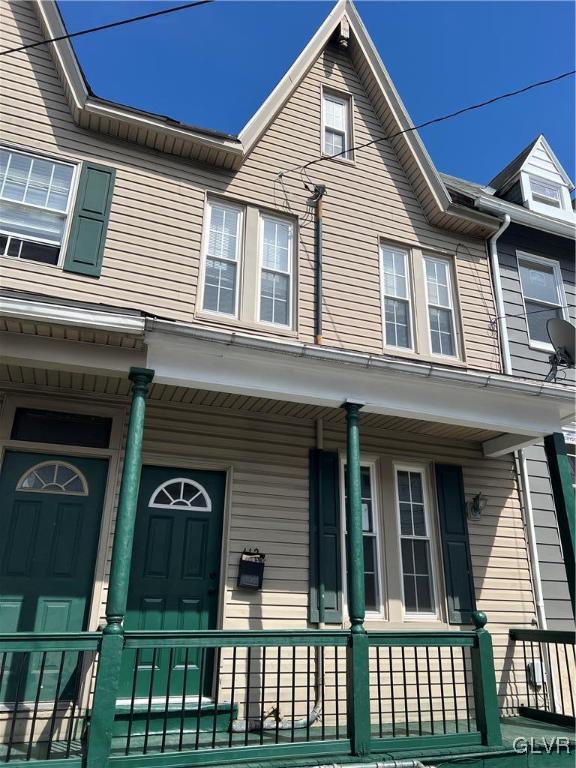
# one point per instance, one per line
(484, 683)
(358, 696)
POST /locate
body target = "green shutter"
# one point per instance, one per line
(455, 543)
(90, 220)
(325, 597)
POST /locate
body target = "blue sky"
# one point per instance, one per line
(212, 66)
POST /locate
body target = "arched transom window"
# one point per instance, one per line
(54, 477)
(181, 492)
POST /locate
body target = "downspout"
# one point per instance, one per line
(522, 466)
(317, 195)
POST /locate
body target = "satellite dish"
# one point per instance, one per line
(563, 338)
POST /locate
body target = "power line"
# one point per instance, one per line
(111, 25)
(433, 121)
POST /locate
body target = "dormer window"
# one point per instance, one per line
(336, 139)
(546, 192)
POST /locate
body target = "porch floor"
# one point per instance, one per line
(536, 735)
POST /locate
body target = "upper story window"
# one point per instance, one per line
(222, 258)
(337, 135)
(396, 297)
(249, 266)
(546, 192)
(541, 282)
(35, 195)
(275, 270)
(440, 306)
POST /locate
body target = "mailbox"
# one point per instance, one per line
(250, 569)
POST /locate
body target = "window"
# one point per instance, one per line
(182, 493)
(571, 454)
(222, 258)
(541, 288)
(417, 577)
(56, 427)
(440, 309)
(370, 538)
(54, 477)
(396, 291)
(35, 198)
(546, 192)
(275, 270)
(336, 139)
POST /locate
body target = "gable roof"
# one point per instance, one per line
(511, 171)
(167, 135)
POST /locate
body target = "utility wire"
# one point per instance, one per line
(435, 120)
(111, 25)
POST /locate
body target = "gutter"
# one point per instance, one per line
(521, 464)
(361, 360)
(527, 218)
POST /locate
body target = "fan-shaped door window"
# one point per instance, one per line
(180, 492)
(54, 477)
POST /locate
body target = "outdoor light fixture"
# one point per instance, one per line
(476, 506)
(250, 569)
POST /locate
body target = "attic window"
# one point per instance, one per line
(336, 139)
(546, 192)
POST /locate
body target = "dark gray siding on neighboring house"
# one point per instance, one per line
(533, 364)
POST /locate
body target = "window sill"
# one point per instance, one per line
(541, 346)
(343, 160)
(408, 354)
(32, 262)
(230, 321)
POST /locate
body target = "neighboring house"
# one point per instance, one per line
(536, 263)
(203, 356)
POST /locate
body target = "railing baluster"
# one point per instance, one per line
(441, 671)
(150, 697)
(307, 692)
(405, 687)
(278, 681)
(201, 682)
(247, 704)
(418, 691)
(293, 691)
(569, 676)
(466, 695)
(322, 679)
(544, 667)
(55, 707)
(379, 681)
(167, 700)
(526, 673)
(560, 686)
(454, 694)
(337, 691)
(21, 678)
(36, 703)
(392, 696)
(75, 699)
(429, 672)
(183, 702)
(216, 695)
(534, 674)
(132, 701)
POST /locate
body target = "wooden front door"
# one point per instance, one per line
(50, 512)
(174, 583)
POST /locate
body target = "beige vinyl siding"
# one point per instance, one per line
(152, 255)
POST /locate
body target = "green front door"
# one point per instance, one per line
(50, 512)
(174, 581)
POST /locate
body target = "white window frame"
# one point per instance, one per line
(346, 100)
(570, 440)
(65, 214)
(432, 257)
(371, 464)
(431, 538)
(264, 216)
(409, 300)
(544, 199)
(523, 256)
(210, 202)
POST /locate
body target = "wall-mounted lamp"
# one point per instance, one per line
(475, 506)
(250, 569)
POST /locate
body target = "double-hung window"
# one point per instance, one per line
(545, 192)
(440, 306)
(396, 297)
(541, 282)
(276, 257)
(417, 571)
(370, 536)
(336, 139)
(35, 197)
(222, 258)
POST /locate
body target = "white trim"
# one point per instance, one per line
(185, 481)
(384, 245)
(47, 463)
(372, 465)
(210, 203)
(346, 100)
(562, 304)
(563, 212)
(61, 314)
(455, 337)
(422, 470)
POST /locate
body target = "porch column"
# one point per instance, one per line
(563, 493)
(357, 656)
(108, 673)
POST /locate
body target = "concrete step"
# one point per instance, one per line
(157, 716)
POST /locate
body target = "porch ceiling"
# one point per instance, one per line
(114, 389)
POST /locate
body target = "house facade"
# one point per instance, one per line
(258, 470)
(535, 256)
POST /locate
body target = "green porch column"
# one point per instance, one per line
(357, 653)
(563, 493)
(108, 674)
(484, 684)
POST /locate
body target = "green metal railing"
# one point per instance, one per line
(546, 688)
(43, 696)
